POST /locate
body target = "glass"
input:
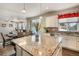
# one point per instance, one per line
(69, 26)
(63, 27)
(72, 26)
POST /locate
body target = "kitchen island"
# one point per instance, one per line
(48, 46)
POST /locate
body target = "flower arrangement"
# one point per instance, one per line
(37, 26)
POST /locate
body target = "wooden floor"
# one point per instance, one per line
(67, 52)
(7, 51)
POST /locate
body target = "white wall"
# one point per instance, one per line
(6, 29)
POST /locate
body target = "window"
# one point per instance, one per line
(69, 26)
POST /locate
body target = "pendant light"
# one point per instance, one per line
(40, 12)
(24, 9)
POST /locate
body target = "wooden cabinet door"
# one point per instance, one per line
(69, 42)
(77, 43)
(64, 41)
(72, 42)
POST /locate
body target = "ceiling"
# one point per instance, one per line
(32, 9)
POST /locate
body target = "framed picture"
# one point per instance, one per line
(3, 25)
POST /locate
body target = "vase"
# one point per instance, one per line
(37, 38)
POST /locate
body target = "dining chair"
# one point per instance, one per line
(6, 40)
(7, 51)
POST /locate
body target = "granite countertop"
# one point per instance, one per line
(70, 33)
(45, 47)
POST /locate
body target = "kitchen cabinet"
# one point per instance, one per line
(77, 43)
(51, 21)
(71, 42)
(65, 41)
